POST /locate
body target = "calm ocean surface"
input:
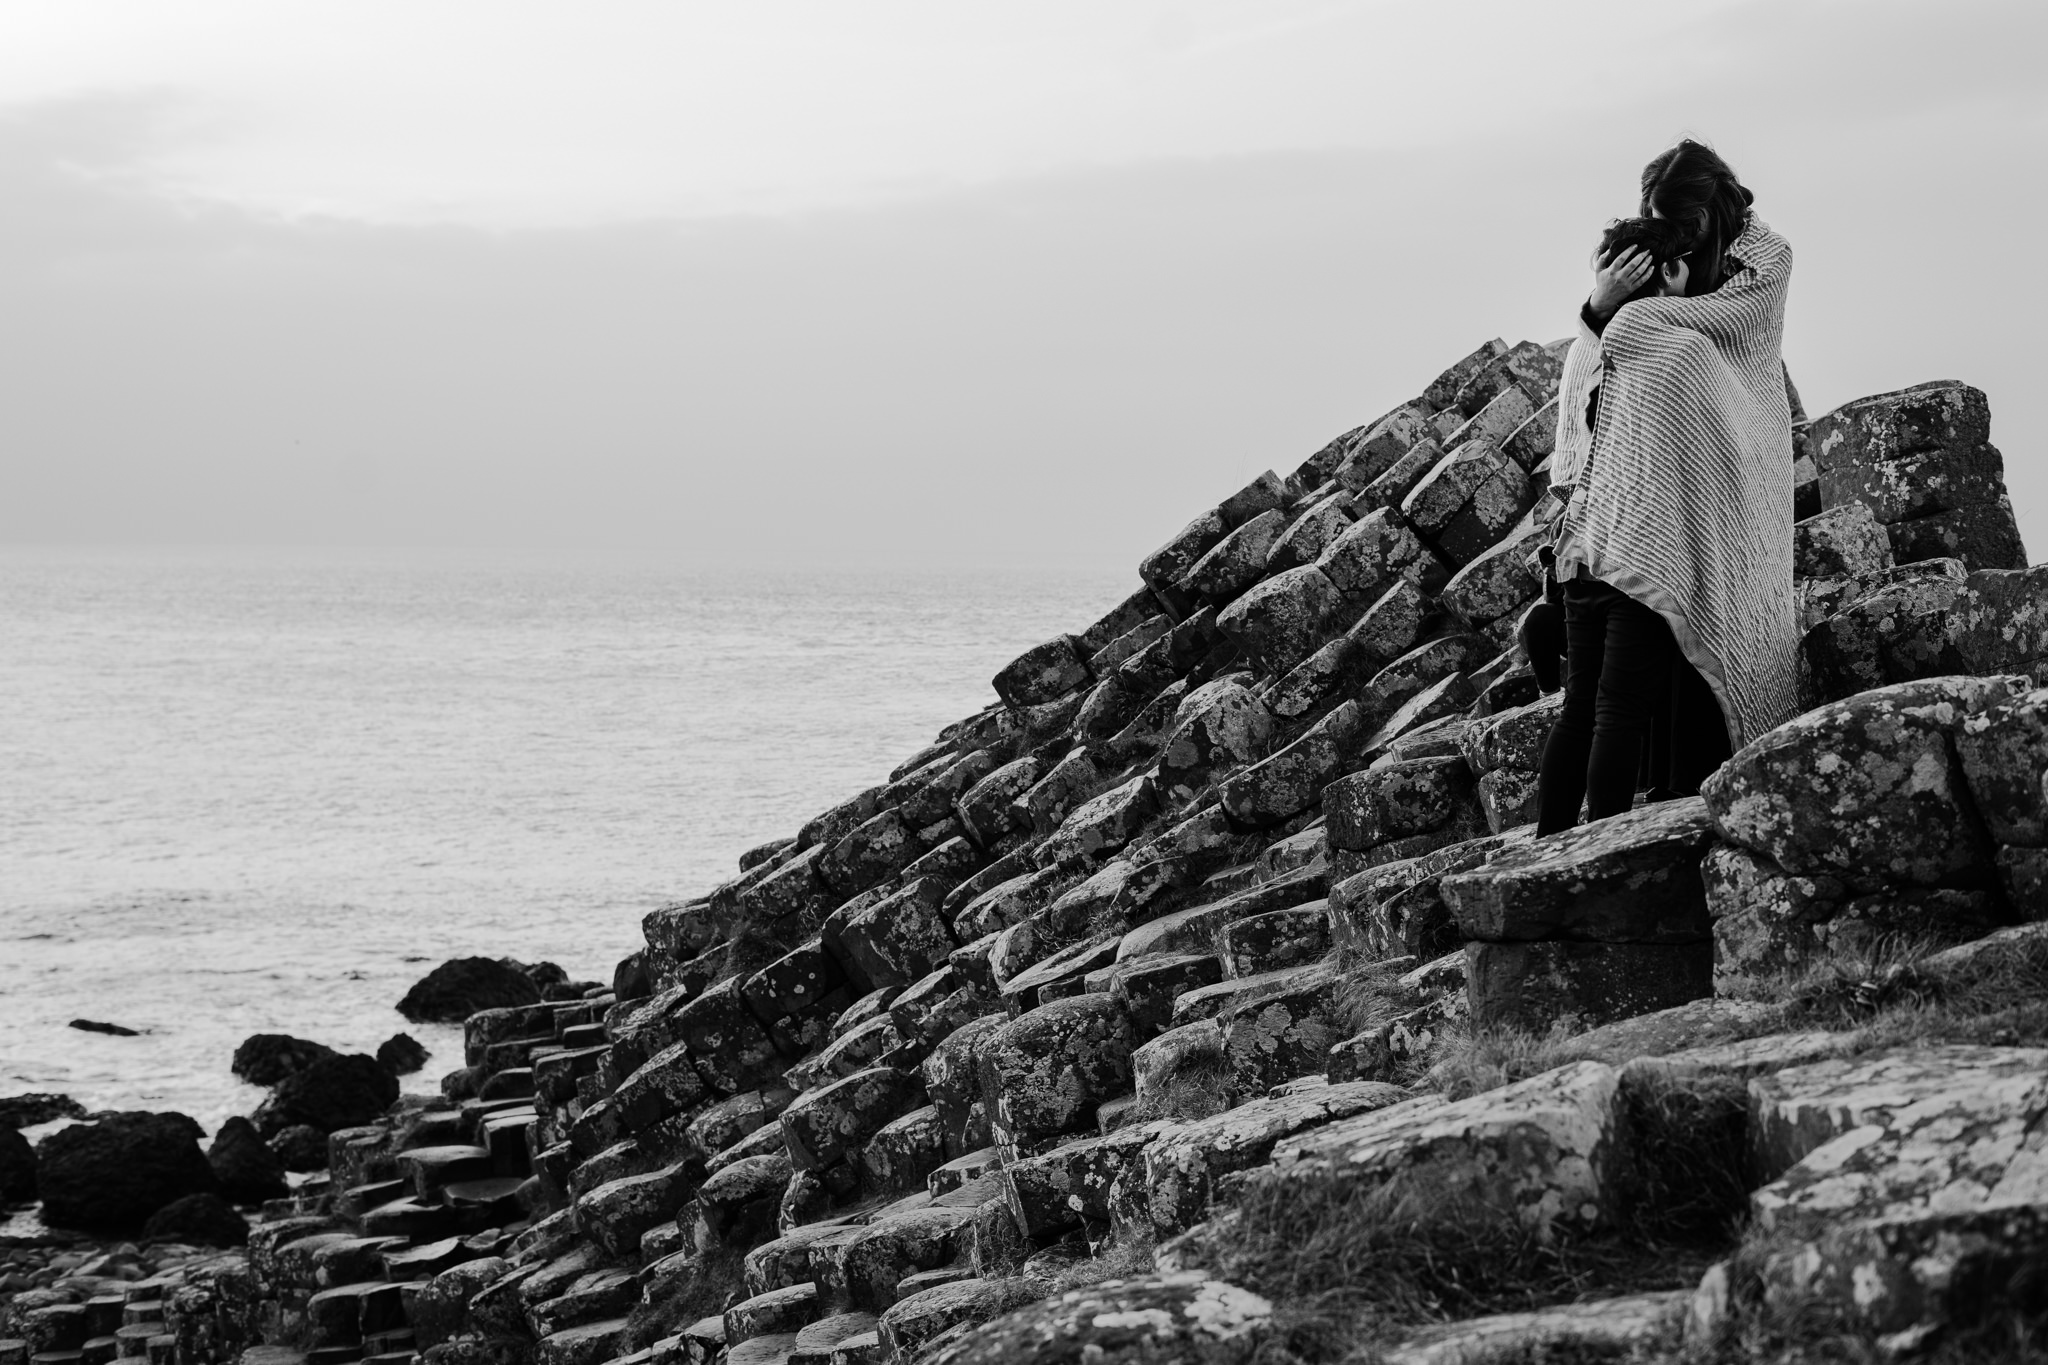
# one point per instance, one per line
(244, 792)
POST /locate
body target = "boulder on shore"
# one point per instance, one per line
(249, 1172)
(26, 1111)
(301, 1147)
(119, 1169)
(267, 1058)
(200, 1219)
(545, 976)
(334, 1092)
(17, 1167)
(402, 1054)
(461, 986)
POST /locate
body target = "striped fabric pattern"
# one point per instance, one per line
(1683, 494)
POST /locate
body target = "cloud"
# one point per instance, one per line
(1033, 368)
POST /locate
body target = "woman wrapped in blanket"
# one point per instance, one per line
(1675, 548)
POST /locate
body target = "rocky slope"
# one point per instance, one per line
(1140, 999)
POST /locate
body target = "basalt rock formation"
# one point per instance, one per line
(1181, 959)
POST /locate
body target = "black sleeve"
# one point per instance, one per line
(1592, 320)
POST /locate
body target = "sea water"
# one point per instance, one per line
(250, 792)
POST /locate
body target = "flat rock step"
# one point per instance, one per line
(345, 1314)
(590, 1343)
(430, 1168)
(1634, 878)
(784, 1310)
(704, 1339)
(1179, 1316)
(814, 1344)
(498, 1193)
(964, 1170)
(773, 1349)
(1542, 1152)
(1606, 1326)
(132, 1340)
(357, 1200)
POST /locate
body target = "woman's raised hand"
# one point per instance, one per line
(1616, 278)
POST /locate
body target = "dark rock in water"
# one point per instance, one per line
(248, 1171)
(198, 1219)
(267, 1058)
(402, 1054)
(95, 1026)
(461, 986)
(301, 1147)
(26, 1111)
(334, 1092)
(17, 1167)
(119, 1169)
(543, 975)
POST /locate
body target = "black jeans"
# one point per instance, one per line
(1635, 712)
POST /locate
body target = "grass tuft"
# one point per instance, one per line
(1370, 994)
(1890, 998)
(712, 1282)
(1201, 1088)
(1354, 1267)
(1120, 1258)
(1467, 1061)
(1690, 1175)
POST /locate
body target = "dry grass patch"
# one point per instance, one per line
(1371, 995)
(1468, 1061)
(1201, 1088)
(1689, 1175)
(1352, 1268)
(1121, 1258)
(1880, 995)
(1890, 999)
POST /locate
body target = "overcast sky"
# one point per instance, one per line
(942, 283)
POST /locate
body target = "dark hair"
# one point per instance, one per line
(1692, 186)
(1664, 241)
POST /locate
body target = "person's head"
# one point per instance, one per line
(1691, 185)
(1665, 243)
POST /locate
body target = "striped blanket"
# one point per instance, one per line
(1683, 495)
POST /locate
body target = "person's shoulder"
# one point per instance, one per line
(1759, 240)
(1658, 326)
